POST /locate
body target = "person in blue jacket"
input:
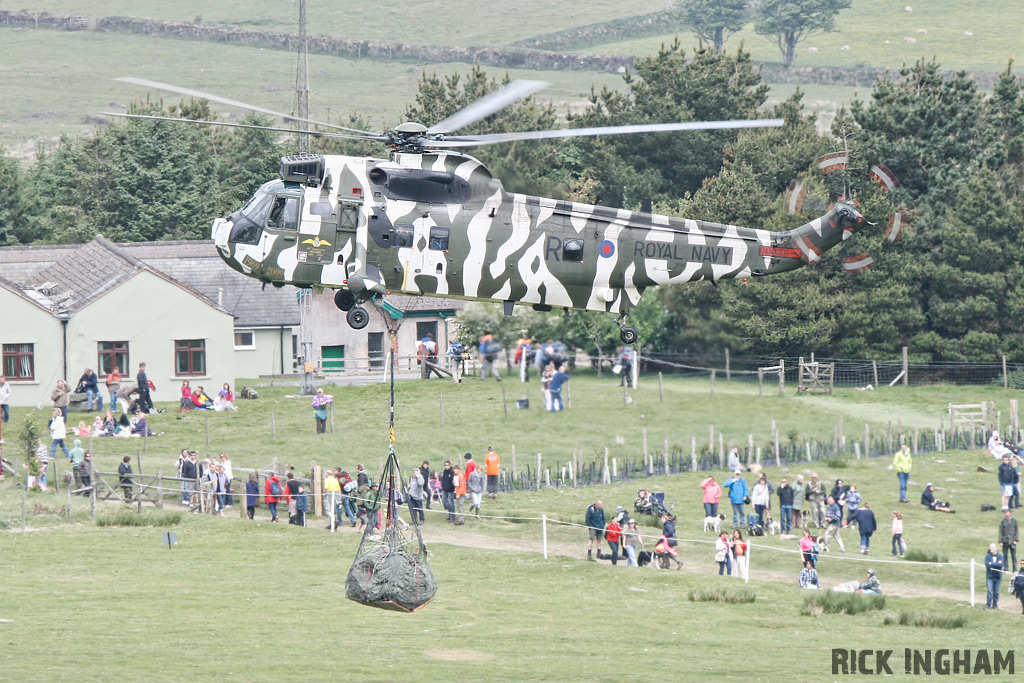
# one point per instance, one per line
(739, 493)
(994, 564)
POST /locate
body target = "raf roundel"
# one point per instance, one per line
(607, 249)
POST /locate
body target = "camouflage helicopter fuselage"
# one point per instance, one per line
(437, 223)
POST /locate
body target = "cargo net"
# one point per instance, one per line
(390, 570)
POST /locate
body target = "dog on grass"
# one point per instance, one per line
(713, 523)
(772, 526)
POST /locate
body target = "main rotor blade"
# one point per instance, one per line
(490, 139)
(233, 103)
(485, 106)
(201, 122)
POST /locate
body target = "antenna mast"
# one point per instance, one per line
(302, 81)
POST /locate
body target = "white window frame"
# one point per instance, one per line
(249, 347)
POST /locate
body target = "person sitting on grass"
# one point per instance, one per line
(809, 577)
(871, 586)
(929, 501)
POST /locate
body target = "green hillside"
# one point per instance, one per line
(56, 81)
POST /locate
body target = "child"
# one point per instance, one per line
(301, 506)
(897, 533)
(82, 429)
(435, 487)
(186, 398)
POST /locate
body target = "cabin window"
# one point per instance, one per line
(320, 209)
(284, 214)
(404, 234)
(572, 250)
(438, 239)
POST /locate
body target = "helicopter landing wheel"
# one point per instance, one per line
(344, 300)
(358, 318)
(628, 335)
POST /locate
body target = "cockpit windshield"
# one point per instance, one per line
(264, 209)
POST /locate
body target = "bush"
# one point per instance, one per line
(926, 619)
(918, 555)
(729, 595)
(836, 462)
(831, 602)
(1014, 380)
(125, 517)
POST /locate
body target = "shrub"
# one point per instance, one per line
(832, 602)
(729, 595)
(926, 619)
(837, 462)
(126, 517)
(918, 555)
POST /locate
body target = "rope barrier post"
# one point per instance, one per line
(160, 489)
(538, 470)
(272, 433)
(972, 582)
(69, 505)
(544, 536)
(746, 578)
(92, 499)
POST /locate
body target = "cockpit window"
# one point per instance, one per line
(258, 207)
(284, 214)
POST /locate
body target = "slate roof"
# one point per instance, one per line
(64, 278)
(196, 263)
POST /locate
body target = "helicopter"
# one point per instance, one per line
(432, 220)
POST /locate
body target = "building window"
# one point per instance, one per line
(245, 340)
(111, 355)
(18, 361)
(333, 358)
(190, 357)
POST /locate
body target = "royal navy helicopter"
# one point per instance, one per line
(430, 220)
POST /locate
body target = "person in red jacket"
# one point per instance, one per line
(612, 534)
(272, 494)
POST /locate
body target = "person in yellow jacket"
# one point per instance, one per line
(903, 463)
(332, 499)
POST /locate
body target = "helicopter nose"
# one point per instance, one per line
(220, 231)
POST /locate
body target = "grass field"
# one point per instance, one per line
(56, 82)
(249, 601)
(874, 31)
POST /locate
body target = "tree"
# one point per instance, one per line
(16, 206)
(667, 88)
(714, 20)
(790, 21)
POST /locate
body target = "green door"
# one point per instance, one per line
(333, 358)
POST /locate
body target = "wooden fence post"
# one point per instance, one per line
(728, 367)
(661, 388)
(760, 383)
(606, 477)
(874, 372)
(750, 448)
(515, 469)
(721, 451)
(538, 470)
(644, 431)
(330, 413)
(867, 441)
(160, 489)
(693, 454)
(713, 382)
(666, 456)
(318, 490)
(906, 368)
